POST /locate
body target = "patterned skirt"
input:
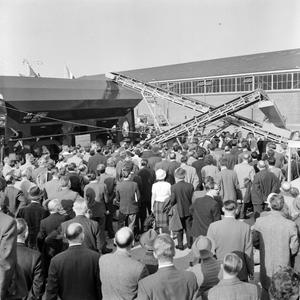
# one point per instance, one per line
(161, 219)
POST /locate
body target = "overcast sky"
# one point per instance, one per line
(98, 36)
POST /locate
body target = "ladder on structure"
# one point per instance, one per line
(209, 113)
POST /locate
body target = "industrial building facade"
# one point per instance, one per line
(220, 80)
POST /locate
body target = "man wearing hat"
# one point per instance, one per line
(33, 214)
(182, 193)
(208, 269)
(147, 242)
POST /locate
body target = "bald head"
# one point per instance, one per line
(246, 157)
(124, 238)
(286, 186)
(172, 155)
(74, 233)
(54, 206)
(261, 165)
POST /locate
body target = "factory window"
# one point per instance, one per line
(296, 81)
(263, 82)
(244, 84)
(174, 87)
(227, 85)
(198, 87)
(212, 85)
(282, 81)
(186, 87)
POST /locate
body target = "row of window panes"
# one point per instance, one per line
(235, 84)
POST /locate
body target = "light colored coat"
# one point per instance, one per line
(278, 238)
(231, 235)
(119, 275)
(233, 289)
(191, 175)
(227, 181)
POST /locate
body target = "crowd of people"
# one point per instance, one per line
(224, 199)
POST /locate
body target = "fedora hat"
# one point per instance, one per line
(160, 174)
(296, 204)
(35, 193)
(147, 239)
(203, 247)
(180, 173)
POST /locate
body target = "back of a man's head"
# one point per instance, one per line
(277, 202)
(209, 183)
(261, 165)
(101, 168)
(172, 155)
(208, 159)
(229, 207)
(80, 206)
(271, 160)
(232, 264)
(223, 161)
(286, 186)
(285, 284)
(254, 155)
(22, 228)
(201, 152)
(64, 181)
(54, 206)
(184, 159)
(164, 248)
(74, 233)
(72, 166)
(124, 238)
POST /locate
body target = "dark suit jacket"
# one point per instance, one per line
(14, 199)
(77, 183)
(31, 264)
(264, 183)
(95, 160)
(164, 165)
(74, 275)
(173, 165)
(125, 194)
(147, 181)
(153, 160)
(232, 160)
(198, 165)
(33, 214)
(91, 234)
(8, 259)
(205, 211)
(182, 193)
(168, 283)
(47, 226)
